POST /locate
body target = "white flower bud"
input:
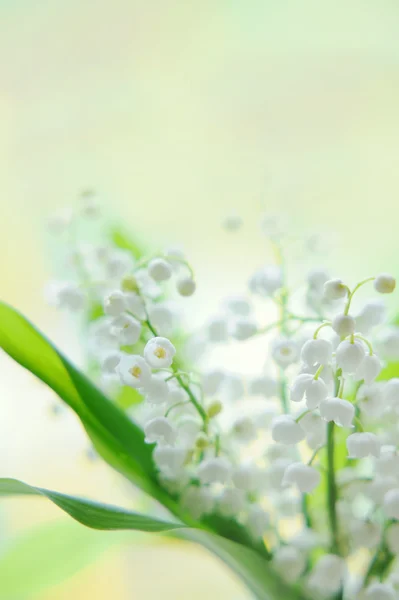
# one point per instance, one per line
(244, 328)
(258, 521)
(169, 460)
(266, 281)
(392, 538)
(384, 283)
(363, 444)
(214, 470)
(285, 430)
(246, 477)
(110, 361)
(67, 296)
(369, 369)
(230, 502)
(114, 304)
(135, 305)
(338, 410)
(391, 504)
(263, 386)
(156, 390)
(317, 351)
(159, 269)
(238, 306)
(365, 534)
(380, 591)
(289, 562)
(304, 477)
(197, 501)
(244, 428)
(214, 408)
(134, 371)
(186, 286)
(218, 330)
(160, 431)
(285, 352)
(127, 329)
(350, 355)
(328, 574)
(343, 325)
(159, 352)
(334, 289)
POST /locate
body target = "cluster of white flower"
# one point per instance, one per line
(308, 445)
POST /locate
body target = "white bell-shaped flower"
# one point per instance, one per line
(233, 387)
(275, 473)
(186, 286)
(285, 430)
(266, 281)
(156, 390)
(384, 283)
(230, 502)
(134, 371)
(212, 381)
(387, 465)
(315, 429)
(363, 444)
(188, 429)
(392, 537)
(244, 328)
(163, 317)
(239, 306)
(369, 369)
(318, 351)
(218, 329)
(160, 431)
(335, 289)
(169, 460)
(343, 325)
(159, 352)
(364, 534)
(390, 393)
(214, 470)
(370, 399)
(67, 295)
(391, 504)
(317, 278)
(263, 386)
(338, 410)
(349, 355)
(299, 385)
(127, 329)
(285, 352)
(258, 521)
(289, 562)
(379, 487)
(315, 390)
(380, 591)
(159, 269)
(176, 394)
(197, 501)
(389, 344)
(328, 574)
(247, 477)
(135, 305)
(244, 429)
(110, 361)
(372, 314)
(114, 303)
(304, 477)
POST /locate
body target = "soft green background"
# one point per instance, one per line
(177, 112)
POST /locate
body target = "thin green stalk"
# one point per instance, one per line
(332, 489)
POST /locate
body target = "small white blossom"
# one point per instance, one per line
(317, 278)
(304, 477)
(230, 502)
(365, 534)
(335, 289)
(127, 329)
(317, 351)
(285, 352)
(343, 325)
(214, 470)
(315, 429)
(289, 562)
(162, 317)
(369, 369)
(266, 281)
(380, 591)
(233, 387)
(134, 371)
(246, 477)
(161, 431)
(218, 330)
(384, 283)
(372, 314)
(244, 328)
(387, 464)
(328, 574)
(197, 501)
(263, 386)
(186, 286)
(390, 393)
(238, 306)
(135, 305)
(169, 460)
(244, 429)
(159, 352)
(156, 390)
(67, 296)
(389, 344)
(159, 269)
(212, 381)
(258, 521)
(338, 410)
(286, 430)
(363, 444)
(114, 303)
(188, 429)
(110, 361)
(391, 504)
(349, 355)
(370, 400)
(315, 390)
(379, 487)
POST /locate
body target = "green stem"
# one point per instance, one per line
(351, 294)
(332, 489)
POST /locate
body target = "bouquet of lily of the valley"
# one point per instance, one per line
(290, 474)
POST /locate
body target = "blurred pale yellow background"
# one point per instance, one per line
(178, 112)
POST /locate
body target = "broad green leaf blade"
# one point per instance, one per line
(89, 513)
(117, 439)
(49, 554)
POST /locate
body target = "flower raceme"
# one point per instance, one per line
(255, 447)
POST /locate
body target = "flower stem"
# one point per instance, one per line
(332, 489)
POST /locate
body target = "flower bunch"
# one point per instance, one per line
(304, 452)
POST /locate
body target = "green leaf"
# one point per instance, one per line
(124, 241)
(49, 554)
(89, 513)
